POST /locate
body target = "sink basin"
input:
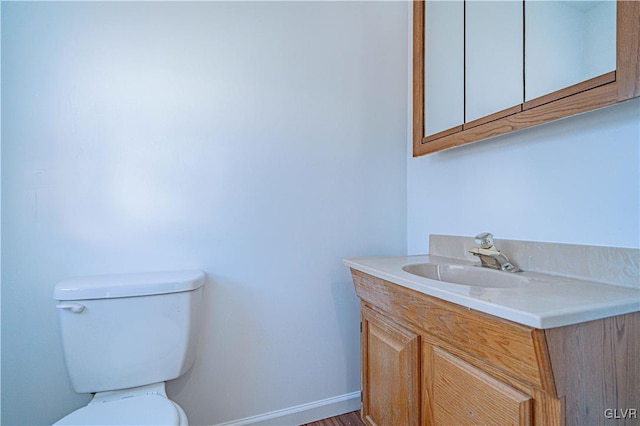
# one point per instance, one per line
(468, 275)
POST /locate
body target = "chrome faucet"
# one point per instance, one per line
(490, 256)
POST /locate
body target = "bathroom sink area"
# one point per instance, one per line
(475, 321)
(558, 284)
(467, 275)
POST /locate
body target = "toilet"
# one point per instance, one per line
(123, 337)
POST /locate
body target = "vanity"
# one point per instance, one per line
(444, 341)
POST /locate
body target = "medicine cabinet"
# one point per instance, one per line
(486, 68)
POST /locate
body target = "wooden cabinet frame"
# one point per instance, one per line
(569, 375)
(607, 89)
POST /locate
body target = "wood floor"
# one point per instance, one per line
(348, 419)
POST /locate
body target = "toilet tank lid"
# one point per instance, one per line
(128, 285)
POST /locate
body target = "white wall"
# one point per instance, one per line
(576, 180)
(260, 142)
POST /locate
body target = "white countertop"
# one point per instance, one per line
(549, 301)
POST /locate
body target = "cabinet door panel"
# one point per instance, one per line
(494, 57)
(567, 42)
(390, 373)
(465, 395)
(444, 65)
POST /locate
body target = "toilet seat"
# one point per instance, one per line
(139, 410)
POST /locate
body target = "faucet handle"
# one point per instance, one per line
(485, 240)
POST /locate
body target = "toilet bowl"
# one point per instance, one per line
(123, 337)
(146, 405)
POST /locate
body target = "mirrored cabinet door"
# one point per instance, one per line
(444, 66)
(493, 55)
(567, 42)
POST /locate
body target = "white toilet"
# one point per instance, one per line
(123, 337)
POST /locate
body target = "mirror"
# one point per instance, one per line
(567, 42)
(493, 57)
(575, 60)
(444, 65)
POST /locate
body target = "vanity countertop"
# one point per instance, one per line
(550, 301)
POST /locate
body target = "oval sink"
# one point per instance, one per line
(474, 276)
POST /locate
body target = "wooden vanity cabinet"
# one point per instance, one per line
(426, 361)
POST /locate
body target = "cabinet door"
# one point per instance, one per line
(465, 395)
(567, 42)
(390, 372)
(493, 54)
(444, 66)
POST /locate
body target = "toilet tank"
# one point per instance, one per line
(123, 331)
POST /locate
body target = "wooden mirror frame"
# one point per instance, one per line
(607, 89)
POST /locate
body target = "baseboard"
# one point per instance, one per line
(304, 413)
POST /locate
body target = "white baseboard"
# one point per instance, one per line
(304, 413)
